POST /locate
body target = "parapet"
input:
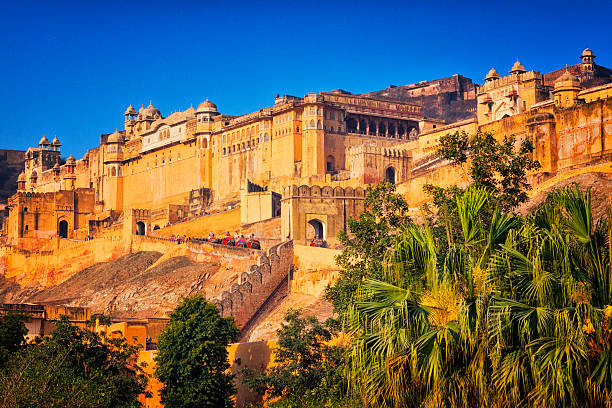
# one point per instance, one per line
(374, 149)
(254, 287)
(305, 191)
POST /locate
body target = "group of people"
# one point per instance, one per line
(237, 239)
(179, 238)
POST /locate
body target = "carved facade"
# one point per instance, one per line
(176, 166)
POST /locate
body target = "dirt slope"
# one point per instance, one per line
(131, 286)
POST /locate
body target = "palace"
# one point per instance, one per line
(177, 166)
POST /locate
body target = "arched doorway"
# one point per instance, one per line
(317, 230)
(63, 229)
(390, 175)
(141, 228)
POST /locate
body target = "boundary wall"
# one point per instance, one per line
(254, 287)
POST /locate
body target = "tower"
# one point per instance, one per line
(130, 119)
(587, 67)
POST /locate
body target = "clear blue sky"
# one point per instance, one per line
(71, 68)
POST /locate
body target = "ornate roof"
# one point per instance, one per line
(43, 141)
(492, 75)
(151, 111)
(130, 111)
(517, 67)
(587, 53)
(70, 161)
(207, 106)
(22, 176)
(567, 81)
(115, 137)
(55, 142)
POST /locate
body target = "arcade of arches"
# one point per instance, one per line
(379, 127)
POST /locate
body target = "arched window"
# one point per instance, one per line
(330, 164)
(113, 172)
(312, 124)
(319, 124)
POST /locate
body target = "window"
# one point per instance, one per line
(312, 124)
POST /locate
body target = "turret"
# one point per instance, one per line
(130, 119)
(21, 181)
(517, 68)
(566, 90)
(206, 110)
(587, 67)
(68, 180)
(43, 142)
(492, 75)
(55, 144)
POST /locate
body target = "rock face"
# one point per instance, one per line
(599, 183)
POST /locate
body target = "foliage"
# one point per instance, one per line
(514, 312)
(12, 335)
(308, 372)
(73, 367)
(192, 358)
(501, 167)
(369, 239)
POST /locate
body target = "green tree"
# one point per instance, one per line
(307, 371)
(12, 335)
(192, 359)
(370, 238)
(73, 367)
(501, 167)
(515, 312)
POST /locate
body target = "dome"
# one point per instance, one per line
(22, 176)
(492, 75)
(130, 111)
(151, 111)
(517, 68)
(70, 160)
(115, 137)
(567, 81)
(43, 141)
(207, 106)
(55, 142)
(587, 53)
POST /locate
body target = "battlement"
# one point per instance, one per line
(374, 149)
(509, 80)
(294, 191)
(244, 299)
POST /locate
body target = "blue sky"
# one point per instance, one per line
(71, 68)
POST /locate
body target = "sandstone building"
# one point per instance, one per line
(164, 168)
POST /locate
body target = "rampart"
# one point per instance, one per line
(246, 297)
(309, 211)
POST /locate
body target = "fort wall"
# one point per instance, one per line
(243, 299)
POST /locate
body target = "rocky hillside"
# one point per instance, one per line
(137, 285)
(601, 192)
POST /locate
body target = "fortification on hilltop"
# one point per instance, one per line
(162, 169)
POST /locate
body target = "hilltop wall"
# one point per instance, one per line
(254, 287)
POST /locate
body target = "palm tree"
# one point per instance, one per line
(516, 313)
